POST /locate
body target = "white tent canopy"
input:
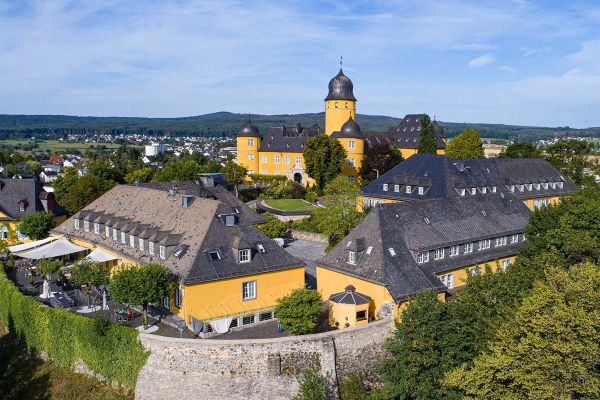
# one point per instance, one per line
(57, 248)
(31, 245)
(98, 255)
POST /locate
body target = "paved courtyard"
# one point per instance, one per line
(309, 252)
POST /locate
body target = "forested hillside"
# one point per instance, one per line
(227, 124)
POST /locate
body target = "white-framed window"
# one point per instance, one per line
(214, 255)
(264, 159)
(448, 280)
(277, 159)
(408, 189)
(351, 257)
(484, 190)
(132, 240)
(86, 226)
(467, 248)
(351, 162)
(493, 189)
(21, 236)
(501, 241)
(351, 144)
(396, 188)
(336, 104)
(249, 290)
(545, 185)
(505, 264)
(162, 252)
(462, 192)
(287, 159)
(96, 228)
(473, 191)
(385, 187)
(298, 159)
(512, 188)
(244, 255)
(484, 244)
(514, 238)
(351, 178)
(421, 190)
(250, 142)
(141, 244)
(123, 237)
(177, 297)
(438, 254)
(4, 232)
(277, 172)
(167, 302)
(250, 156)
(107, 231)
(553, 185)
(560, 184)
(76, 223)
(263, 171)
(453, 251)
(288, 173)
(115, 234)
(529, 186)
(422, 257)
(21, 206)
(250, 172)
(537, 186)
(521, 187)
(474, 270)
(151, 248)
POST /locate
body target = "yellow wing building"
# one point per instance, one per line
(226, 273)
(279, 150)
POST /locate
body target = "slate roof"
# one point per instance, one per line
(31, 191)
(155, 213)
(442, 177)
(350, 296)
(340, 88)
(350, 129)
(411, 227)
(406, 134)
(288, 139)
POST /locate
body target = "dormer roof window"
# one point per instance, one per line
(560, 184)
(244, 255)
(421, 190)
(396, 188)
(77, 221)
(545, 185)
(162, 252)
(408, 189)
(229, 219)
(385, 187)
(214, 255)
(529, 187)
(352, 257)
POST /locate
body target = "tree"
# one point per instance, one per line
(313, 386)
(380, 158)
(49, 266)
(37, 225)
(427, 142)
(323, 158)
(140, 286)
(178, 171)
(273, 228)
(521, 150)
(63, 184)
(466, 145)
(570, 157)
(86, 189)
(550, 350)
(235, 174)
(89, 274)
(299, 311)
(105, 169)
(142, 175)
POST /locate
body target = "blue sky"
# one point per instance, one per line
(515, 62)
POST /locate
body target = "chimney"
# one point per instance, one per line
(298, 127)
(208, 181)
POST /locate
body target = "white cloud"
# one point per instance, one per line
(475, 46)
(482, 61)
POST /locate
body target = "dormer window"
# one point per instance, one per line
(123, 237)
(132, 240)
(422, 257)
(521, 188)
(86, 226)
(162, 252)
(537, 186)
(76, 223)
(385, 187)
(560, 184)
(462, 192)
(438, 254)
(115, 234)
(214, 255)
(484, 190)
(545, 185)
(493, 189)
(107, 231)
(141, 244)
(96, 228)
(351, 257)
(473, 191)
(396, 188)
(244, 255)
(553, 185)
(22, 206)
(529, 187)
(151, 248)
(421, 190)
(512, 188)
(408, 189)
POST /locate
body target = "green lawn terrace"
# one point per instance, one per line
(293, 205)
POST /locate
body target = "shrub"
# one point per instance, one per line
(313, 386)
(299, 311)
(37, 225)
(286, 190)
(113, 351)
(274, 228)
(352, 386)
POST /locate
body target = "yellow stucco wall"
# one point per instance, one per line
(337, 112)
(360, 206)
(246, 146)
(530, 202)
(210, 300)
(342, 314)
(13, 225)
(357, 154)
(461, 274)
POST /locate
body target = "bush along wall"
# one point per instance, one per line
(109, 350)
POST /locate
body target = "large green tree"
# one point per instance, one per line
(89, 275)
(140, 286)
(299, 311)
(141, 175)
(549, 350)
(178, 171)
(571, 157)
(380, 158)
(521, 150)
(466, 145)
(427, 142)
(37, 225)
(323, 157)
(85, 190)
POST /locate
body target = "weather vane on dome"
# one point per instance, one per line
(341, 61)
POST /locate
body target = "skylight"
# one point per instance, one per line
(214, 255)
(392, 251)
(261, 248)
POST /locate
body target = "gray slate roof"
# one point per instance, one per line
(406, 134)
(288, 139)
(13, 191)
(442, 177)
(403, 227)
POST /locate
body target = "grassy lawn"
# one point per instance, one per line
(55, 145)
(289, 204)
(24, 377)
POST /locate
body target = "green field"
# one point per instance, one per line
(290, 205)
(55, 145)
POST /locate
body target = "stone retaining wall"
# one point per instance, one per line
(254, 369)
(306, 235)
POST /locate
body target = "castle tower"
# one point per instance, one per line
(248, 143)
(339, 103)
(353, 140)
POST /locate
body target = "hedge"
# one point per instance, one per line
(110, 350)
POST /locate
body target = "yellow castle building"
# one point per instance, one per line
(279, 151)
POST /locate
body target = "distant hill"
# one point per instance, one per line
(226, 124)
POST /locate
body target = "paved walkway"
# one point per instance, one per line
(309, 252)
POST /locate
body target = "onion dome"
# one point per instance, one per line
(340, 88)
(350, 129)
(249, 130)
